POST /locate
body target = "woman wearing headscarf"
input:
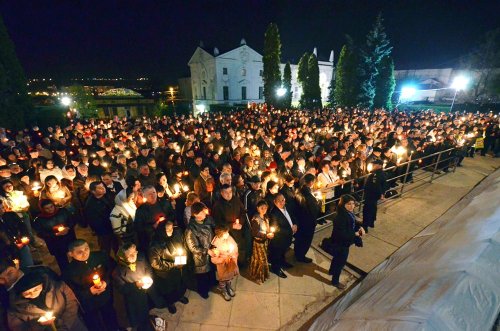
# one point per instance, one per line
(56, 192)
(133, 277)
(36, 294)
(122, 216)
(56, 227)
(169, 276)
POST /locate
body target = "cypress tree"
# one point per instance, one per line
(313, 82)
(331, 91)
(287, 84)
(376, 48)
(346, 78)
(15, 103)
(384, 84)
(303, 78)
(271, 62)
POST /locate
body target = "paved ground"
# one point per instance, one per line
(289, 304)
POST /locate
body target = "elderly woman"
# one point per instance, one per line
(122, 216)
(56, 192)
(56, 227)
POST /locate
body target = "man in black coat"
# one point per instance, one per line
(252, 196)
(229, 210)
(89, 276)
(374, 190)
(285, 227)
(308, 211)
(97, 210)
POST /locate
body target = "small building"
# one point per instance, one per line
(235, 77)
(123, 102)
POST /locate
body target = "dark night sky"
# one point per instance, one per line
(156, 38)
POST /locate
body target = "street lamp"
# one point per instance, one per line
(66, 101)
(281, 92)
(407, 92)
(459, 84)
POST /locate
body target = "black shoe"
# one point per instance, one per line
(366, 228)
(340, 286)
(204, 295)
(279, 273)
(184, 300)
(287, 265)
(172, 309)
(304, 259)
(321, 222)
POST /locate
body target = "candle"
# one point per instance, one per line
(186, 173)
(36, 186)
(146, 282)
(177, 188)
(25, 240)
(180, 259)
(60, 228)
(230, 248)
(96, 280)
(144, 200)
(369, 167)
(273, 229)
(105, 164)
(185, 188)
(237, 221)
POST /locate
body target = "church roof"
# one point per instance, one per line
(121, 92)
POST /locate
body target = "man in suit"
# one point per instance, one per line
(285, 226)
(309, 210)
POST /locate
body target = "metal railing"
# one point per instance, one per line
(415, 169)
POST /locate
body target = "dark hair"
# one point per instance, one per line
(345, 198)
(220, 229)
(225, 187)
(126, 246)
(93, 185)
(50, 177)
(309, 178)
(6, 262)
(197, 208)
(159, 188)
(75, 244)
(261, 203)
(45, 202)
(130, 180)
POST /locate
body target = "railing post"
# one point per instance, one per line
(405, 177)
(435, 167)
(455, 160)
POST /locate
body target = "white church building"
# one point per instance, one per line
(235, 77)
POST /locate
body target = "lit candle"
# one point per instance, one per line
(60, 228)
(369, 167)
(144, 200)
(25, 240)
(272, 229)
(237, 221)
(96, 280)
(185, 188)
(180, 258)
(177, 188)
(146, 282)
(105, 164)
(36, 186)
(186, 173)
(230, 248)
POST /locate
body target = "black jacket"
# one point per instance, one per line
(45, 227)
(344, 229)
(78, 275)
(198, 240)
(308, 208)
(284, 233)
(97, 213)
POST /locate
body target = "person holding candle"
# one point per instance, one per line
(229, 210)
(56, 192)
(122, 217)
(166, 255)
(39, 301)
(12, 230)
(133, 277)
(375, 186)
(56, 227)
(225, 258)
(285, 226)
(261, 233)
(199, 235)
(89, 276)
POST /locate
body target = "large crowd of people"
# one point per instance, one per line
(184, 202)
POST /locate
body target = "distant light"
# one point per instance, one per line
(200, 108)
(460, 83)
(66, 101)
(407, 92)
(281, 91)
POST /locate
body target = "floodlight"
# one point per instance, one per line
(281, 91)
(407, 92)
(460, 83)
(66, 101)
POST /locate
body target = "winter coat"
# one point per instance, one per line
(46, 228)
(59, 299)
(122, 218)
(198, 240)
(226, 260)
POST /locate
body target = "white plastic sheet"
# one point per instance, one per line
(446, 278)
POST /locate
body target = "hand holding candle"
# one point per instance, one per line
(47, 319)
(96, 279)
(146, 282)
(180, 258)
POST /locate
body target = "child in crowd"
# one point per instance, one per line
(225, 257)
(261, 233)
